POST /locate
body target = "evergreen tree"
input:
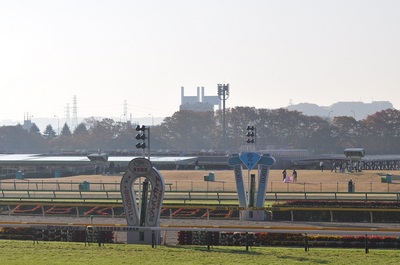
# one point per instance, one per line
(81, 129)
(49, 132)
(34, 129)
(66, 131)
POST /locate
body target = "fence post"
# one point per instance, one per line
(306, 242)
(208, 240)
(153, 239)
(247, 241)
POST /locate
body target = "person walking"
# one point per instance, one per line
(284, 174)
(334, 167)
(321, 166)
(294, 175)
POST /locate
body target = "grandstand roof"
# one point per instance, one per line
(12, 159)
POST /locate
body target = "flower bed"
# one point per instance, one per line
(188, 213)
(103, 211)
(16, 233)
(27, 209)
(219, 214)
(338, 216)
(60, 210)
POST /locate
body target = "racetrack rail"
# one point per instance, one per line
(251, 229)
(192, 196)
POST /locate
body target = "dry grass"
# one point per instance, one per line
(308, 180)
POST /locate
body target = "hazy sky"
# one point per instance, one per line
(270, 52)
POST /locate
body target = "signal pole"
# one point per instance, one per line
(142, 137)
(251, 136)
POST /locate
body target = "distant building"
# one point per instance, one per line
(27, 122)
(356, 109)
(200, 102)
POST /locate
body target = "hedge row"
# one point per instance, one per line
(338, 204)
(56, 235)
(280, 239)
(337, 216)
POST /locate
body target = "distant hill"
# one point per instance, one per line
(356, 109)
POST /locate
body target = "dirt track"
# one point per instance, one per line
(365, 181)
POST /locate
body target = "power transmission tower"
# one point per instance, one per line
(74, 114)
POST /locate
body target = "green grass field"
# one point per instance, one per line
(26, 252)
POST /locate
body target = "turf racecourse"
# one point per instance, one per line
(26, 252)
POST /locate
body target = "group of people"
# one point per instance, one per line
(287, 178)
(335, 166)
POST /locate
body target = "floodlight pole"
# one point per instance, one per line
(223, 94)
(148, 143)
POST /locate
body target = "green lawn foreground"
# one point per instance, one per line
(26, 252)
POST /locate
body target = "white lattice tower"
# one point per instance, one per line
(74, 113)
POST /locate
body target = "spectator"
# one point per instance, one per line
(294, 174)
(321, 166)
(334, 166)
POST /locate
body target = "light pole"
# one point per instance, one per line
(223, 94)
(354, 114)
(152, 119)
(58, 124)
(120, 118)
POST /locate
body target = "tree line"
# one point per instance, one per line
(189, 131)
